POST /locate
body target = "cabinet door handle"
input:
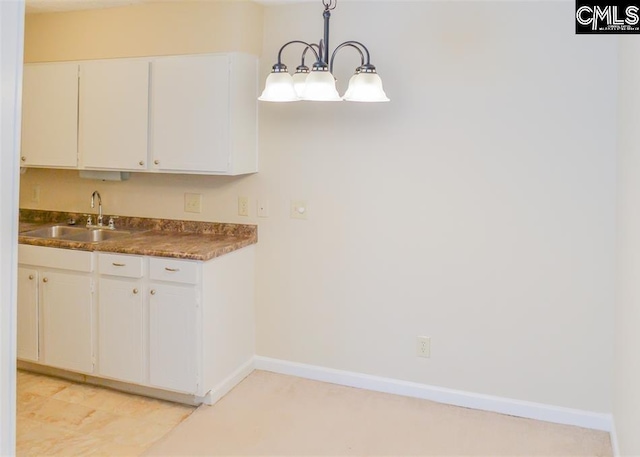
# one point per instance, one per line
(118, 264)
(141, 163)
(157, 162)
(153, 292)
(45, 279)
(135, 291)
(172, 269)
(30, 276)
(23, 158)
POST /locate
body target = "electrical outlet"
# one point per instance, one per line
(243, 206)
(423, 348)
(193, 203)
(299, 209)
(263, 208)
(35, 194)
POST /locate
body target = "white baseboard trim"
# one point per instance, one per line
(225, 386)
(614, 439)
(526, 409)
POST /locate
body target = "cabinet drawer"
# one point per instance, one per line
(183, 271)
(64, 259)
(121, 265)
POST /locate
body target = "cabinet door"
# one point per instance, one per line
(66, 301)
(114, 110)
(190, 113)
(172, 331)
(28, 314)
(50, 115)
(121, 330)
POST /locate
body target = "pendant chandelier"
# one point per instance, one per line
(318, 84)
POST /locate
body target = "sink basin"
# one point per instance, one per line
(56, 231)
(97, 235)
(70, 233)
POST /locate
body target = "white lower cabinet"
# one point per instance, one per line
(172, 331)
(122, 318)
(121, 329)
(178, 325)
(174, 298)
(28, 314)
(61, 302)
(67, 316)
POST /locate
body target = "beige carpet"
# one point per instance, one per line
(271, 414)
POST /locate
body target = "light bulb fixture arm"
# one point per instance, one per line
(355, 45)
(279, 66)
(304, 53)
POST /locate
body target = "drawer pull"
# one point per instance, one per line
(153, 292)
(135, 291)
(30, 276)
(119, 264)
(172, 269)
(45, 279)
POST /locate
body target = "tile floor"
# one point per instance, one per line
(63, 418)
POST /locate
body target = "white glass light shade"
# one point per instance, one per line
(365, 87)
(321, 86)
(347, 94)
(299, 80)
(279, 88)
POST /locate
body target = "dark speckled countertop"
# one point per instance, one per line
(154, 237)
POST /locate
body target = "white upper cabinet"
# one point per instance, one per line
(114, 98)
(189, 113)
(203, 114)
(176, 114)
(50, 115)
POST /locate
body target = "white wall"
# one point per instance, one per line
(11, 41)
(626, 406)
(476, 208)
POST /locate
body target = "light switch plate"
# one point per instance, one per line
(193, 203)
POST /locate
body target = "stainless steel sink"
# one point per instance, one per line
(70, 233)
(97, 235)
(56, 231)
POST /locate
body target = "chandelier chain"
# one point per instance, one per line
(329, 4)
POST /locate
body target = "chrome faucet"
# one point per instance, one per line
(93, 205)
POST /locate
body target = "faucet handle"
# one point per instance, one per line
(89, 220)
(112, 224)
